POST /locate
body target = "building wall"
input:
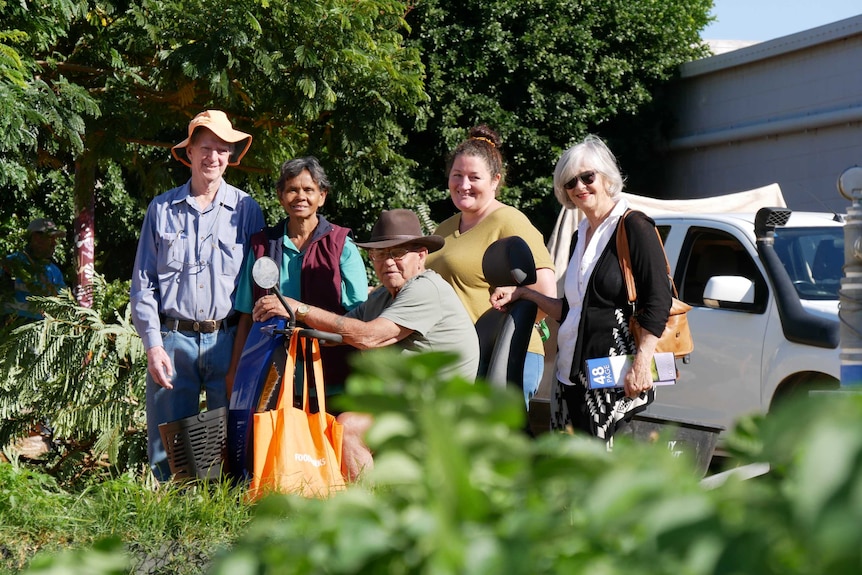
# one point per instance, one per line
(787, 111)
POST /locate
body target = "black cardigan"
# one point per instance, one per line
(606, 306)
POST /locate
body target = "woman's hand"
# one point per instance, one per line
(268, 307)
(503, 296)
(639, 378)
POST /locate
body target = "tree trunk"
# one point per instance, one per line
(85, 226)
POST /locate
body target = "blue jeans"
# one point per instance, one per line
(534, 368)
(200, 362)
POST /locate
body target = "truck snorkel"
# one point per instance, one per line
(798, 325)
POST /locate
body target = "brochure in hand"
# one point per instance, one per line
(611, 371)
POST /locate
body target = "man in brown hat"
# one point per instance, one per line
(411, 309)
(189, 256)
(414, 309)
(31, 272)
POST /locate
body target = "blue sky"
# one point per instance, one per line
(767, 19)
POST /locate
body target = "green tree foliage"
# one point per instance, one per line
(93, 94)
(41, 121)
(106, 88)
(35, 115)
(543, 73)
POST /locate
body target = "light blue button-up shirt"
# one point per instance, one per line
(188, 260)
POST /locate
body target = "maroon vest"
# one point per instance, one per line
(320, 283)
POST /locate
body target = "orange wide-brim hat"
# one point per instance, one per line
(216, 122)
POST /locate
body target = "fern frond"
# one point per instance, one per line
(82, 374)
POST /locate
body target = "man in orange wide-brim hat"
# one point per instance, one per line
(189, 256)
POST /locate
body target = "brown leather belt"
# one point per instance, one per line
(202, 326)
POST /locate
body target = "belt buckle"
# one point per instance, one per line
(205, 326)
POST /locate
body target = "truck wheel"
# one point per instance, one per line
(801, 384)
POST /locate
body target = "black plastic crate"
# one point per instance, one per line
(197, 445)
(698, 440)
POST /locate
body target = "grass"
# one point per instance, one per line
(172, 528)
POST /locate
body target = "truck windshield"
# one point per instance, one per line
(814, 259)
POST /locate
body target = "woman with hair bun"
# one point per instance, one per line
(476, 172)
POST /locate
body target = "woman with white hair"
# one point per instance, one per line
(594, 312)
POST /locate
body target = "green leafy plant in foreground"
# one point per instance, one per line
(458, 488)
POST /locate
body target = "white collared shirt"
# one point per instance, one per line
(578, 275)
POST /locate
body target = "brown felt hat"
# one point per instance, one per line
(216, 122)
(398, 227)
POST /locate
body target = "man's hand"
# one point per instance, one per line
(159, 366)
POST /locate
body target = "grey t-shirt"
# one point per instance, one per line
(428, 306)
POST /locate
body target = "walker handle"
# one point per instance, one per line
(321, 335)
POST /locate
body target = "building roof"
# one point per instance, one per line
(755, 51)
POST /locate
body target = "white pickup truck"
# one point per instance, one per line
(764, 291)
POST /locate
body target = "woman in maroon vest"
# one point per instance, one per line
(319, 263)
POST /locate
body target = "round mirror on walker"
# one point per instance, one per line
(265, 272)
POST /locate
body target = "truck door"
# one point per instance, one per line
(720, 380)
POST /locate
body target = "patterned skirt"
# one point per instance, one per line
(602, 410)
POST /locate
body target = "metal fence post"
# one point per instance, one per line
(850, 295)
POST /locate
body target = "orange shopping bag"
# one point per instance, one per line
(295, 451)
